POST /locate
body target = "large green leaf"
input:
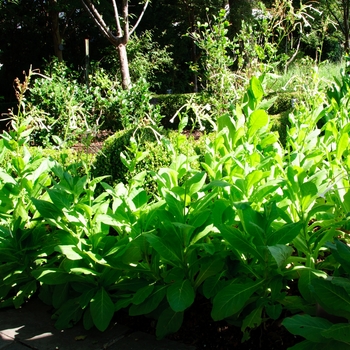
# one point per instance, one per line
(47, 209)
(304, 282)
(70, 251)
(60, 295)
(285, 234)
(257, 120)
(333, 298)
(280, 253)
(232, 299)
(203, 233)
(165, 248)
(240, 242)
(325, 345)
(25, 291)
(253, 223)
(150, 304)
(346, 201)
(253, 319)
(102, 309)
(169, 322)
(309, 327)
(212, 285)
(308, 192)
(209, 268)
(195, 183)
(340, 331)
(60, 199)
(256, 88)
(342, 145)
(51, 276)
(180, 295)
(142, 294)
(68, 314)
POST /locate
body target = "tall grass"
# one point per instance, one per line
(300, 72)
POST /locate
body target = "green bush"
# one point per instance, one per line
(66, 108)
(282, 103)
(108, 161)
(168, 105)
(67, 158)
(61, 104)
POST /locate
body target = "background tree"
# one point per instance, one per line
(122, 32)
(339, 10)
(33, 31)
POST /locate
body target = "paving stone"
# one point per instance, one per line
(15, 346)
(32, 327)
(5, 340)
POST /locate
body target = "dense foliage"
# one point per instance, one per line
(30, 30)
(251, 215)
(242, 230)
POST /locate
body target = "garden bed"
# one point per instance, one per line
(199, 330)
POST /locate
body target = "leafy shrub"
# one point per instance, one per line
(134, 105)
(62, 104)
(282, 103)
(260, 219)
(157, 154)
(68, 109)
(67, 157)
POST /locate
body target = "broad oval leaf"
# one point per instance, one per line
(257, 120)
(280, 253)
(231, 299)
(256, 88)
(340, 331)
(142, 294)
(150, 304)
(285, 234)
(307, 326)
(102, 309)
(180, 295)
(169, 322)
(333, 298)
(342, 145)
(164, 248)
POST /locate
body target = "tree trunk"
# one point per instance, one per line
(124, 66)
(56, 35)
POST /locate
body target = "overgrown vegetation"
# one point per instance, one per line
(252, 218)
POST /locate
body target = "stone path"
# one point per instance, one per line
(31, 327)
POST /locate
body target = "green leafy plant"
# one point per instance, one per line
(25, 243)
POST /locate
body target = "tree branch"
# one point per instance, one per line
(140, 17)
(126, 21)
(94, 14)
(117, 21)
(335, 17)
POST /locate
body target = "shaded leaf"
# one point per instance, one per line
(231, 299)
(169, 322)
(102, 309)
(307, 326)
(180, 295)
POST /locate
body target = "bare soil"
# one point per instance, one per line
(200, 331)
